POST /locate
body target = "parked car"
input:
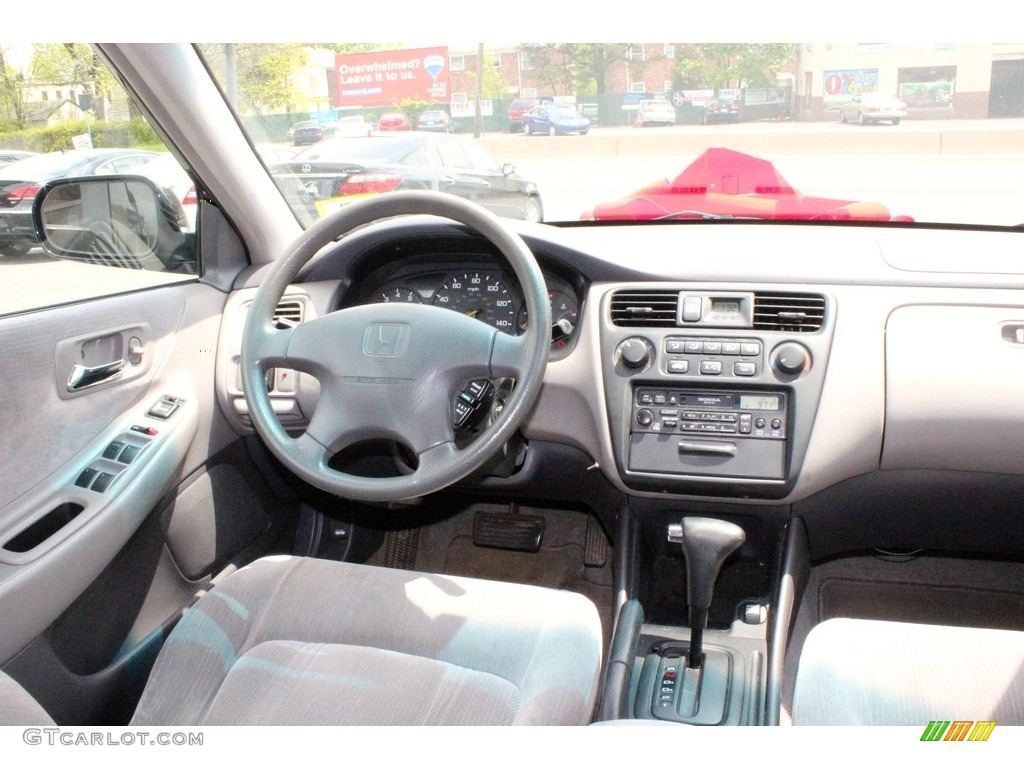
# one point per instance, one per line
(394, 121)
(866, 108)
(21, 181)
(338, 171)
(307, 132)
(721, 111)
(410, 463)
(435, 120)
(555, 120)
(656, 113)
(351, 125)
(516, 110)
(8, 156)
(272, 154)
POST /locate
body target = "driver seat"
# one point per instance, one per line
(300, 641)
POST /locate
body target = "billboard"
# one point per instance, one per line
(384, 78)
(841, 84)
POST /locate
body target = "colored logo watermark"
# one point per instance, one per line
(958, 730)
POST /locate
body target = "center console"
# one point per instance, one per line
(713, 392)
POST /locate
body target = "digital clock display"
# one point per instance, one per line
(725, 307)
(760, 402)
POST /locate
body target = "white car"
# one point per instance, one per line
(873, 108)
(655, 113)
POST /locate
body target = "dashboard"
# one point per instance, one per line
(474, 283)
(668, 378)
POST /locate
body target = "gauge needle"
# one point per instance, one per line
(473, 312)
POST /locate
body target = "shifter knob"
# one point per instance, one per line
(706, 543)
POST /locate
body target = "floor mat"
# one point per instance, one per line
(921, 604)
(561, 561)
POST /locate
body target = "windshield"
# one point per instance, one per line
(886, 133)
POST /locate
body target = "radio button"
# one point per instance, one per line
(710, 367)
(644, 417)
(746, 423)
(744, 369)
(760, 423)
(776, 423)
(677, 366)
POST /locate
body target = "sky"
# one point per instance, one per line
(523, 20)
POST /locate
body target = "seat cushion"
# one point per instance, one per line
(296, 640)
(860, 672)
(17, 707)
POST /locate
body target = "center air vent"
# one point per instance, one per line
(288, 314)
(645, 309)
(789, 312)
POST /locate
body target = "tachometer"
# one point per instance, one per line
(399, 295)
(481, 295)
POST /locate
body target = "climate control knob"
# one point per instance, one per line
(635, 353)
(791, 359)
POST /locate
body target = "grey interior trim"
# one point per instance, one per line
(944, 411)
(53, 574)
(792, 580)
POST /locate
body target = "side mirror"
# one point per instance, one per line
(508, 169)
(118, 221)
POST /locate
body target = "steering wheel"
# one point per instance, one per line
(391, 370)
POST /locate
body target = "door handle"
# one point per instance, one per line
(83, 376)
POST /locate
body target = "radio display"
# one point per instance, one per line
(760, 402)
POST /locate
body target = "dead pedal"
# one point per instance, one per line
(595, 549)
(504, 530)
(400, 549)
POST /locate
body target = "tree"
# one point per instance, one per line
(492, 84)
(577, 67)
(12, 95)
(731, 65)
(75, 64)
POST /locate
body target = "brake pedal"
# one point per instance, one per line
(505, 530)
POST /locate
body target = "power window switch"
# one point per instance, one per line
(84, 480)
(113, 450)
(127, 456)
(102, 481)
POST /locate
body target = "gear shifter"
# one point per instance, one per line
(706, 543)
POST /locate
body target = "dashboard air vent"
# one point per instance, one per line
(288, 313)
(789, 312)
(645, 309)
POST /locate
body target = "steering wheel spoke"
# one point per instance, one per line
(509, 356)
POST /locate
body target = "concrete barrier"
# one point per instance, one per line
(988, 138)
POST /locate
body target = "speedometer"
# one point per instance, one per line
(481, 295)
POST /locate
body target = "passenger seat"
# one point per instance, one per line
(861, 672)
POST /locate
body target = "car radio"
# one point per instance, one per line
(709, 432)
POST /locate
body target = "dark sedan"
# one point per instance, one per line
(337, 171)
(307, 132)
(21, 181)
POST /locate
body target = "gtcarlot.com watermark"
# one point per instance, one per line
(70, 737)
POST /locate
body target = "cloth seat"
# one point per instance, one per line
(298, 641)
(865, 672)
